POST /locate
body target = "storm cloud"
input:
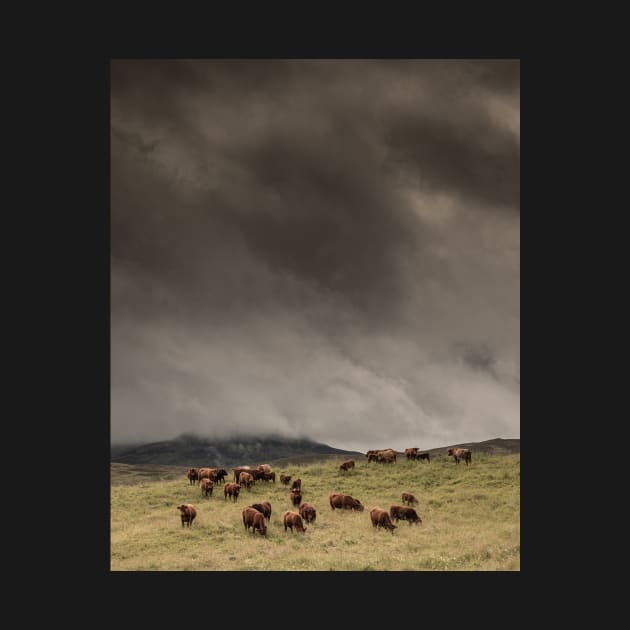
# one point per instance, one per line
(318, 248)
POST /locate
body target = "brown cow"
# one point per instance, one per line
(388, 453)
(256, 473)
(264, 508)
(400, 512)
(238, 470)
(347, 465)
(207, 486)
(205, 473)
(460, 453)
(293, 519)
(232, 490)
(411, 452)
(409, 498)
(188, 513)
(345, 502)
(254, 519)
(285, 479)
(269, 476)
(380, 518)
(308, 512)
(297, 485)
(383, 456)
(296, 497)
(193, 476)
(264, 467)
(246, 480)
(422, 456)
(386, 458)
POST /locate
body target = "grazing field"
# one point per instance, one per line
(470, 520)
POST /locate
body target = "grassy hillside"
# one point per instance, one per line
(471, 520)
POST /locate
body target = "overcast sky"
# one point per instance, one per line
(328, 249)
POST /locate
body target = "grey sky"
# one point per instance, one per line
(327, 249)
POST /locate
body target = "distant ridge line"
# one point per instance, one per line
(187, 450)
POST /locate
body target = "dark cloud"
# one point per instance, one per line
(317, 248)
(477, 161)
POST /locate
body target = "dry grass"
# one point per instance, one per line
(471, 521)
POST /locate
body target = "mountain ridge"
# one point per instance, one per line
(191, 450)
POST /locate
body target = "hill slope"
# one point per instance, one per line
(188, 450)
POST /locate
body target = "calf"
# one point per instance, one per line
(293, 519)
(347, 465)
(345, 502)
(254, 519)
(188, 513)
(400, 512)
(422, 456)
(409, 498)
(193, 476)
(264, 508)
(206, 486)
(285, 479)
(460, 453)
(231, 490)
(308, 513)
(269, 476)
(380, 518)
(295, 497)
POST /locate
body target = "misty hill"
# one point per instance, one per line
(188, 450)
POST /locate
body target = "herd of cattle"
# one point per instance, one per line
(255, 515)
